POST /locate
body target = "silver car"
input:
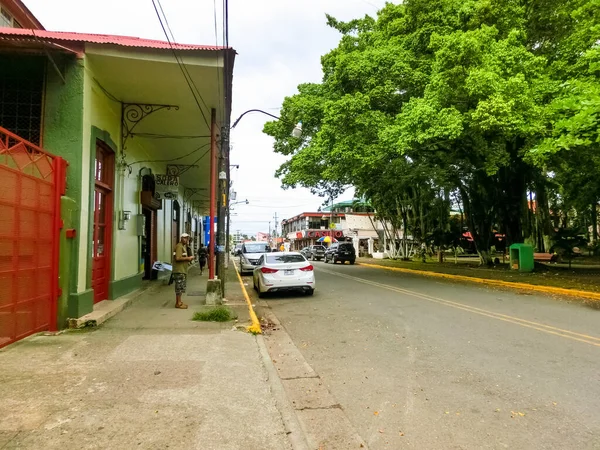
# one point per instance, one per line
(250, 254)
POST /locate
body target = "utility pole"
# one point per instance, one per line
(223, 201)
(275, 225)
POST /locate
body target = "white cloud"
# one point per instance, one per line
(279, 45)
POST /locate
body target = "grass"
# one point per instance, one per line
(216, 314)
(544, 274)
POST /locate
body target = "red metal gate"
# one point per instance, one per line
(31, 184)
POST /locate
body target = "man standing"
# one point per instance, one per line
(180, 269)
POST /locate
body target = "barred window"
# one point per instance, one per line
(21, 94)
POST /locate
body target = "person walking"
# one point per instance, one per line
(180, 269)
(202, 256)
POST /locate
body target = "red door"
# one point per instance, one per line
(103, 219)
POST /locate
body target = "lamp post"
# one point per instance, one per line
(223, 191)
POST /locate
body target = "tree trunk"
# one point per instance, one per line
(595, 221)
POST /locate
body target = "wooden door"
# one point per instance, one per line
(103, 220)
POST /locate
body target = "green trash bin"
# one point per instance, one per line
(521, 257)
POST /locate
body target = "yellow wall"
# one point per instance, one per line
(104, 113)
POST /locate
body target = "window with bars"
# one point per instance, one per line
(21, 95)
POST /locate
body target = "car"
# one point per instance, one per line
(250, 254)
(282, 272)
(315, 252)
(342, 251)
(305, 252)
(237, 250)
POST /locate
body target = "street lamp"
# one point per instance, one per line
(296, 132)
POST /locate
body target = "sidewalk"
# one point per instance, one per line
(149, 378)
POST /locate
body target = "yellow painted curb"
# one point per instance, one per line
(515, 285)
(255, 327)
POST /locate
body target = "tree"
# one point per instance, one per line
(442, 96)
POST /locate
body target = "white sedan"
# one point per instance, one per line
(283, 271)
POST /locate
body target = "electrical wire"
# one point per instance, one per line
(217, 65)
(191, 165)
(174, 159)
(182, 66)
(167, 136)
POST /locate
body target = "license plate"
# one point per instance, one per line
(288, 272)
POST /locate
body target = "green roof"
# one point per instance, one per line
(346, 203)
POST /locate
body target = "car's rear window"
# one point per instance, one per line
(346, 246)
(255, 248)
(318, 247)
(283, 259)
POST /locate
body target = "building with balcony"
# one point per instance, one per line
(104, 162)
(344, 221)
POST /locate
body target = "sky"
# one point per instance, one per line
(279, 45)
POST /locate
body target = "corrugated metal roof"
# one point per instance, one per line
(126, 41)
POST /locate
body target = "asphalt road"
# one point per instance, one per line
(426, 364)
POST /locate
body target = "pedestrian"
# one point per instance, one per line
(202, 257)
(180, 269)
(282, 248)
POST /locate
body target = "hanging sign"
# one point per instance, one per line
(167, 186)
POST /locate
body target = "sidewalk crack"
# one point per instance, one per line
(312, 408)
(299, 377)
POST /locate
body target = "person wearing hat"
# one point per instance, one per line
(183, 257)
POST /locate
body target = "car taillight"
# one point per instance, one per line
(267, 270)
(307, 269)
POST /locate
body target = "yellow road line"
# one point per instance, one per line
(514, 285)
(592, 340)
(255, 327)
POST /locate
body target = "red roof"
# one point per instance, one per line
(126, 41)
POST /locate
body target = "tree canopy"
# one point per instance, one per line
(478, 103)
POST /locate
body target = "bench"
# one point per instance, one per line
(544, 257)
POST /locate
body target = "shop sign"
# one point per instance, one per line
(312, 234)
(167, 186)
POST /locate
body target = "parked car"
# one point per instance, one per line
(342, 251)
(283, 271)
(251, 252)
(237, 250)
(316, 252)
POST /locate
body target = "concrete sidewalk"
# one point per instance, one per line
(149, 378)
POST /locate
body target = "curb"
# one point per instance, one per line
(106, 309)
(588, 295)
(255, 327)
(295, 433)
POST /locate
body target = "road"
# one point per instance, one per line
(426, 364)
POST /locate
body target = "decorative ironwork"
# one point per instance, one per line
(176, 169)
(133, 113)
(192, 192)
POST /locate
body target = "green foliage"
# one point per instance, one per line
(480, 99)
(216, 314)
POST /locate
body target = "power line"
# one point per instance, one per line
(191, 165)
(172, 159)
(182, 66)
(217, 65)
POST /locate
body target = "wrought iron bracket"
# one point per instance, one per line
(175, 169)
(191, 192)
(133, 113)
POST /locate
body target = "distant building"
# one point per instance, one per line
(14, 14)
(349, 221)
